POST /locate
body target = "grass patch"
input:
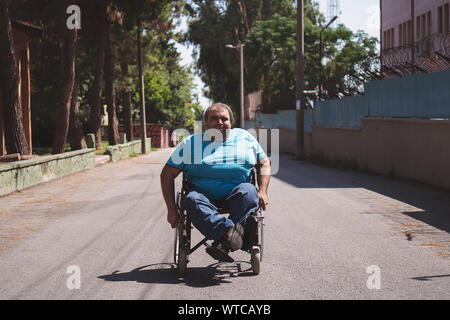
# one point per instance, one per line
(105, 145)
(47, 151)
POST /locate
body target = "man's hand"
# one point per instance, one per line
(168, 175)
(263, 177)
(263, 199)
(172, 218)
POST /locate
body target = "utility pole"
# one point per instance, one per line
(141, 90)
(241, 51)
(300, 102)
(321, 54)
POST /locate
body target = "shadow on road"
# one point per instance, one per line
(433, 203)
(428, 278)
(197, 277)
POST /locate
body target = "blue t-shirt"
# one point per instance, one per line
(215, 167)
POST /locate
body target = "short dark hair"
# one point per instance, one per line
(221, 105)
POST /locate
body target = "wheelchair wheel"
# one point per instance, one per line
(181, 246)
(260, 233)
(256, 260)
(175, 247)
(180, 251)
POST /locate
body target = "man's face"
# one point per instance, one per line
(218, 118)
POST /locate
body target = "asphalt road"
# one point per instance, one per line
(329, 234)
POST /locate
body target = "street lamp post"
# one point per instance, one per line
(241, 49)
(300, 78)
(141, 90)
(321, 55)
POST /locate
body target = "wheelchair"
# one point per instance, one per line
(182, 237)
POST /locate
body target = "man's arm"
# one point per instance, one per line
(168, 175)
(263, 176)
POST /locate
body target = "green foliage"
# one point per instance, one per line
(168, 86)
(269, 31)
(168, 98)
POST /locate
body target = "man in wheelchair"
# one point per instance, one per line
(218, 166)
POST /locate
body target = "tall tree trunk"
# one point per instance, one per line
(96, 89)
(76, 137)
(127, 108)
(110, 92)
(15, 139)
(67, 54)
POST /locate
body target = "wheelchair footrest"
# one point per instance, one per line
(218, 254)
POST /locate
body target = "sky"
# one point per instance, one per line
(355, 14)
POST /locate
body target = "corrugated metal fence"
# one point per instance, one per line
(422, 96)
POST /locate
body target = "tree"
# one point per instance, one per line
(213, 25)
(9, 88)
(110, 91)
(99, 79)
(268, 29)
(96, 88)
(67, 54)
(75, 137)
(169, 94)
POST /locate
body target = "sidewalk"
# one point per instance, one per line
(102, 159)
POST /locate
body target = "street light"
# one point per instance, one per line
(300, 87)
(141, 90)
(241, 49)
(321, 54)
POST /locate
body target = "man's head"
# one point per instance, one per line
(219, 116)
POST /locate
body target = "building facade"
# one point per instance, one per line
(415, 36)
(21, 34)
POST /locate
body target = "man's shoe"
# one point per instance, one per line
(218, 252)
(234, 238)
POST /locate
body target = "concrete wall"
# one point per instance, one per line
(288, 141)
(123, 151)
(338, 143)
(407, 148)
(23, 174)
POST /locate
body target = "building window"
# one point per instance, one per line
(424, 26)
(392, 38)
(429, 24)
(405, 33)
(440, 21)
(386, 40)
(410, 32)
(418, 28)
(446, 18)
(400, 35)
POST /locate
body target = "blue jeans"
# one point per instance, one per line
(203, 211)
